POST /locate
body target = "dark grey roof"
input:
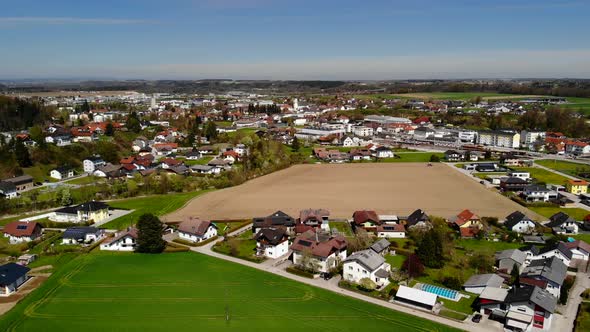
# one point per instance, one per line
(10, 272)
(559, 219)
(279, 218)
(64, 169)
(367, 258)
(514, 180)
(534, 294)
(489, 279)
(514, 218)
(416, 217)
(79, 233)
(552, 269)
(561, 247)
(532, 248)
(381, 273)
(380, 245)
(201, 167)
(84, 207)
(536, 187)
(7, 187)
(20, 179)
(274, 236)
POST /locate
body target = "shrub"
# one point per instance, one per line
(297, 271)
(367, 284)
(452, 282)
(565, 288)
(413, 266)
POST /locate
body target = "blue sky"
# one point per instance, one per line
(302, 39)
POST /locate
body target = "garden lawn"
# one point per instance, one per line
(395, 261)
(84, 180)
(157, 204)
(575, 213)
(188, 291)
(542, 175)
(582, 323)
(341, 227)
(202, 161)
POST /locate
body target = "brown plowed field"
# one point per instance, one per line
(388, 188)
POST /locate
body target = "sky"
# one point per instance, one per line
(294, 39)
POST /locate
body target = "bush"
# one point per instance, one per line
(367, 284)
(434, 158)
(565, 288)
(452, 282)
(297, 271)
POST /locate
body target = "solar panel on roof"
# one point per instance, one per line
(21, 227)
(305, 243)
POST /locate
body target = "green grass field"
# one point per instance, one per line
(188, 292)
(440, 95)
(583, 321)
(577, 104)
(412, 157)
(396, 261)
(575, 213)
(542, 175)
(566, 167)
(158, 205)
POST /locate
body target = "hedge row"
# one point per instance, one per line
(297, 271)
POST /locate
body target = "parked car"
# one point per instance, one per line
(476, 318)
(326, 275)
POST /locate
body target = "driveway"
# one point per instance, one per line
(332, 285)
(565, 321)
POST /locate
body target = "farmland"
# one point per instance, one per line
(180, 292)
(542, 175)
(566, 167)
(388, 188)
(447, 96)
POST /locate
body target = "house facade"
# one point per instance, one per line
(272, 242)
(366, 264)
(319, 250)
(22, 231)
(122, 241)
(196, 230)
(576, 187)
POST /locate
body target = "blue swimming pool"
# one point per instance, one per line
(440, 291)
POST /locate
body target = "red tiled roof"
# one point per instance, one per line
(360, 217)
(464, 217)
(21, 228)
(578, 182)
(319, 247)
(128, 160)
(396, 228)
(533, 282)
(171, 161)
(131, 232)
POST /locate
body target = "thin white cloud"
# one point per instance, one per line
(69, 20)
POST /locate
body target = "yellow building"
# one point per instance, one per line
(577, 187)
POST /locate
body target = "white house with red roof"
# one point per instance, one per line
(22, 231)
(319, 250)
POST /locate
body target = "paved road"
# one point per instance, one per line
(565, 321)
(332, 285)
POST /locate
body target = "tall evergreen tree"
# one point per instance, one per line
(22, 154)
(295, 145)
(149, 235)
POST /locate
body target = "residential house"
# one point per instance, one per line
(478, 282)
(62, 173)
(275, 220)
(519, 222)
(559, 250)
(122, 241)
(561, 223)
(538, 193)
(366, 264)
(383, 152)
(196, 230)
(551, 273)
(521, 175)
(580, 250)
(486, 167)
(577, 148)
(528, 307)
(312, 218)
(204, 169)
(22, 183)
(391, 231)
(92, 163)
(360, 154)
(194, 154)
(368, 220)
(513, 184)
(93, 210)
(319, 250)
(272, 242)
(506, 260)
(466, 219)
(452, 155)
(168, 163)
(491, 300)
(576, 187)
(418, 219)
(381, 247)
(22, 231)
(80, 235)
(219, 165)
(7, 190)
(12, 276)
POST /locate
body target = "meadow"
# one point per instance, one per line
(157, 204)
(187, 292)
(566, 167)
